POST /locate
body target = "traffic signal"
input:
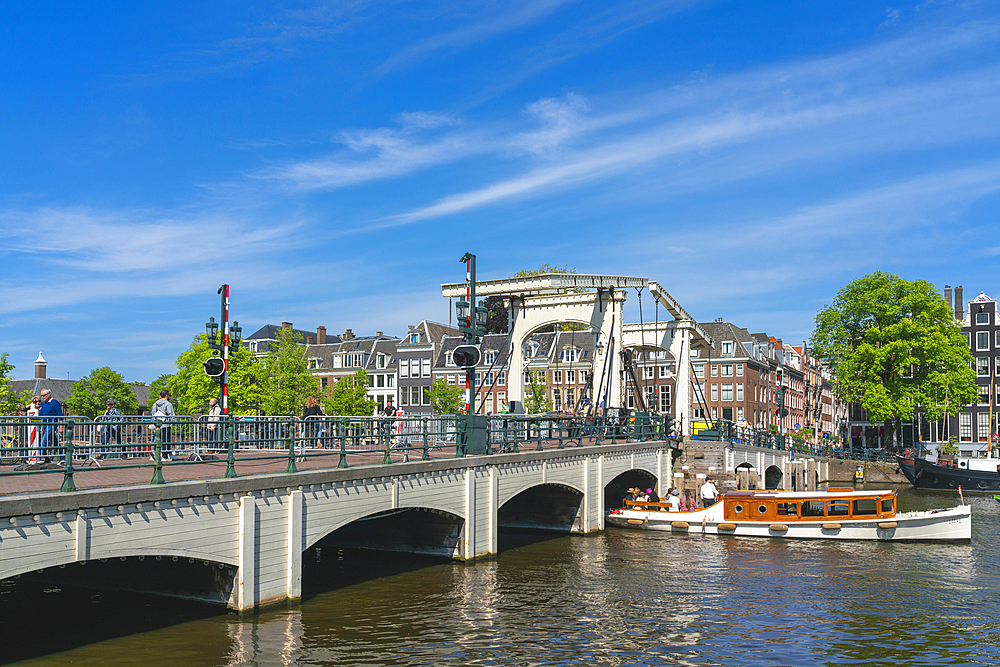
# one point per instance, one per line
(214, 367)
(466, 356)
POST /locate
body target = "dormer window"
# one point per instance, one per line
(727, 347)
(489, 357)
(530, 349)
(414, 338)
(570, 355)
(448, 361)
(381, 360)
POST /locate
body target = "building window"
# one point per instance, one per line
(727, 391)
(739, 369)
(695, 354)
(404, 396)
(570, 377)
(983, 426)
(664, 398)
(414, 338)
(630, 398)
(502, 377)
(739, 392)
(489, 357)
(426, 392)
(390, 380)
(965, 426)
(570, 398)
(699, 370)
(715, 392)
(982, 318)
(451, 379)
(664, 373)
(404, 368)
(739, 414)
(727, 347)
(323, 383)
(502, 400)
(984, 394)
(998, 337)
(556, 377)
(983, 366)
(570, 355)
(426, 365)
(983, 340)
(715, 370)
(715, 412)
(727, 414)
(699, 413)
(380, 360)
(727, 370)
(647, 372)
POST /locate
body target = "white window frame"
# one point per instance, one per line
(727, 391)
(665, 398)
(726, 370)
(739, 370)
(739, 391)
(556, 377)
(982, 318)
(715, 392)
(727, 347)
(982, 340)
(699, 371)
(404, 368)
(570, 376)
(425, 363)
(664, 372)
(982, 367)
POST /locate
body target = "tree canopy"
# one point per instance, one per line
(9, 399)
(446, 399)
(349, 396)
(284, 377)
(496, 313)
(91, 392)
(894, 347)
(192, 388)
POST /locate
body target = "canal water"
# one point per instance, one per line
(620, 598)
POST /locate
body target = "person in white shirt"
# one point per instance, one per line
(675, 501)
(708, 493)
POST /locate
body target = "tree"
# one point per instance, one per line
(349, 396)
(894, 347)
(191, 388)
(9, 399)
(446, 399)
(284, 377)
(536, 400)
(91, 392)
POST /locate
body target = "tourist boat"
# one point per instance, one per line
(835, 514)
(970, 474)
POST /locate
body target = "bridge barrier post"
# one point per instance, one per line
(157, 455)
(559, 425)
(231, 446)
(427, 455)
(68, 484)
(291, 445)
(538, 430)
(342, 436)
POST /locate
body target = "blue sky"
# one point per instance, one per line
(332, 161)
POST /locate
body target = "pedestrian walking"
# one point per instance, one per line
(163, 409)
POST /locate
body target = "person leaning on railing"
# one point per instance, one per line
(50, 412)
(164, 409)
(111, 429)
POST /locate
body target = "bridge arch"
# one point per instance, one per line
(772, 477)
(555, 506)
(341, 519)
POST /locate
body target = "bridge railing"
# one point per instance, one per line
(76, 444)
(733, 432)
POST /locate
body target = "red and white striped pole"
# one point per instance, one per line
(225, 349)
(470, 338)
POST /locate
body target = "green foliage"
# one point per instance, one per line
(9, 399)
(284, 377)
(349, 396)
(536, 399)
(948, 448)
(191, 388)
(895, 348)
(446, 399)
(91, 392)
(542, 270)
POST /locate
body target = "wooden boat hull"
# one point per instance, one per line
(954, 524)
(928, 475)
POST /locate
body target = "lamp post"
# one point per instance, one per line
(228, 344)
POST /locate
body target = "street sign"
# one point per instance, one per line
(797, 427)
(996, 438)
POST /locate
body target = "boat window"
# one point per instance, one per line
(788, 509)
(812, 508)
(738, 509)
(761, 509)
(887, 504)
(838, 507)
(863, 506)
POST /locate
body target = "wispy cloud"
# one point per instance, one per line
(507, 17)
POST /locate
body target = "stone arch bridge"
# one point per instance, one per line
(256, 528)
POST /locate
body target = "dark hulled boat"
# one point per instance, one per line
(970, 474)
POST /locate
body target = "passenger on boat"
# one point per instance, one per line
(708, 493)
(631, 493)
(675, 501)
(687, 503)
(651, 496)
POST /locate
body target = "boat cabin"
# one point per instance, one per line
(836, 503)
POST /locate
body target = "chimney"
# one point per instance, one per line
(378, 334)
(348, 335)
(309, 340)
(40, 364)
(959, 303)
(286, 325)
(321, 335)
(948, 298)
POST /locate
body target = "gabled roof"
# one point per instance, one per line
(270, 332)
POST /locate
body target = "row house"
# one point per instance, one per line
(261, 340)
(731, 379)
(976, 425)
(375, 354)
(570, 362)
(417, 353)
(656, 375)
(490, 379)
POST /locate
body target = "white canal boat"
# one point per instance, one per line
(836, 514)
